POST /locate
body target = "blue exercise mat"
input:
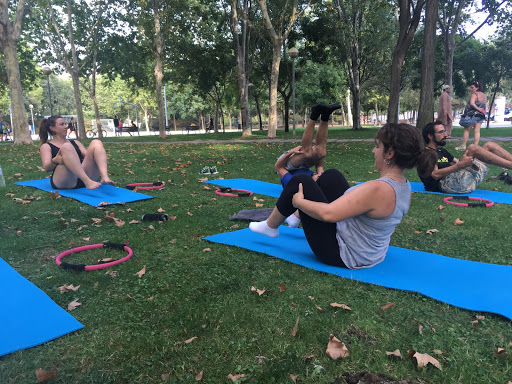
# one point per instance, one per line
(274, 190)
(465, 284)
(255, 186)
(497, 197)
(95, 197)
(28, 316)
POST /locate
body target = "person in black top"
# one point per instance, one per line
(440, 171)
(72, 165)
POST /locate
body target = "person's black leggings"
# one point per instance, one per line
(321, 236)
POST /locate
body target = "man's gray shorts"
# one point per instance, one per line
(464, 180)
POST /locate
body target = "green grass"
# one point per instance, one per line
(336, 132)
(206, 294)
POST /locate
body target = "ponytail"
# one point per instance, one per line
(45, 127)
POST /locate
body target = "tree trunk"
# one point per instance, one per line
(241, 62)
(258, 111)
(20, 128)
(159, 75)
(97, 116)
(274, 78)
(78, 102)
(426, 108)
(492, 101)
(408, 26)
(449, 52)
(349, 110)
(174, 120)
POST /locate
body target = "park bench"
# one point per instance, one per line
(129, 130)
(189, 128)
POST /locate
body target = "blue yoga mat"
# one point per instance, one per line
(255, 186)
(95, 197)
(274, 190)
(465, 284)
(28, 316)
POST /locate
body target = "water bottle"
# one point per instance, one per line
(154, 217)
(2, 180)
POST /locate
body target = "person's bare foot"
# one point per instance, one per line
(107, 181)
(92, 185)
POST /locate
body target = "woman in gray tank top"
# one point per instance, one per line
(352, 227)
(475, 109)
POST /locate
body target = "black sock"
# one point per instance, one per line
(316, 111)
(327, 110)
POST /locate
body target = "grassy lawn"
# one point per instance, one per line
(336, 132)
(136, 328)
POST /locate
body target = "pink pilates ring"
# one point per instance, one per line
(232, 192)
(482, 202)
(145, 186)
(83, 267)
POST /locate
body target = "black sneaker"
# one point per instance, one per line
(205, 171)
(213, 170)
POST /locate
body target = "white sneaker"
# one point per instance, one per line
(460, 148)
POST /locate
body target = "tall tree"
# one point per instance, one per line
(10, 33)
(409, 19)
(426, 107)
(241, 11)
(451, 15)
(63, 36)
(277, 28)
(363, 30)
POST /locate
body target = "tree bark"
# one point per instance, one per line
(408, 25)
(159, 75)
(277, 37)
(426, 108)
(241, 44)
(9, 36)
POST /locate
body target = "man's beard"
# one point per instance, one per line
(440, 143)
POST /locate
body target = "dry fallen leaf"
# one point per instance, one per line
(199, 376)
(500, 352)
(423, 359)
(73, 305)
(336, 305)
(165, 376)
(67, 288)
(142, 272)
(336, 349)
(282, 288)
(134, 222)
(188, 341)
(293, 377)
(260, 291)
(387, 306)
(458, 222)
(160, 210)
(43, 376)
(207, 250)
(295, 328)
(431, 231)
(234, 378)
(441, 207)
(396, 353)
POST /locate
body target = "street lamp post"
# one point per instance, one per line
(32, 114)
(47, 72)
(294, 53)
